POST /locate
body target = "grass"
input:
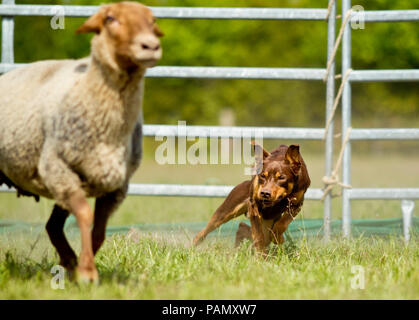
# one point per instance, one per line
(157, 266)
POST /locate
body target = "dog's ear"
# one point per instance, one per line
(293, 158)
(260, 152)
(95, 23)
(260, 155)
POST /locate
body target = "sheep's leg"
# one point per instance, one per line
(65, 186)
(86, 269)
(104, 208)
(55, 229)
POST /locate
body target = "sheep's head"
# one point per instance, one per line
(127, 35)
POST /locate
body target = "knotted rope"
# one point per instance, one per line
(333, 180)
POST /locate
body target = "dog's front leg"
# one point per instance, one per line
(235, 205)
(257, 227)
(282, 224)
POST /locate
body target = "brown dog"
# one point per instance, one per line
(272, 199)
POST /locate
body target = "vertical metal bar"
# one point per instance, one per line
(7, 37)
(346, 122)
(407, 210)
(330, 97)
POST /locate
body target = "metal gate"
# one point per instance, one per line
(8, 9)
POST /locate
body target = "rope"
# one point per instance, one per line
(329, 9)
(333, 180)
(337, 44)
(336, 103)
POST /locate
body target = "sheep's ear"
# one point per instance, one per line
(92, 25)
(157, 31)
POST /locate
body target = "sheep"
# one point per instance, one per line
(72, 129)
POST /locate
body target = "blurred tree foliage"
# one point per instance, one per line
(253, 44)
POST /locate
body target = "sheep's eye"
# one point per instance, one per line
(109, 19)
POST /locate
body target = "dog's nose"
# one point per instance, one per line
(266, 194)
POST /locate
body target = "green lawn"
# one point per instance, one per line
(154, 268)
(164, 266)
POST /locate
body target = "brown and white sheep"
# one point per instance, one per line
(71, 129)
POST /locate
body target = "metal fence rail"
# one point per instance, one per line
(190, 191)
(8, 10)
(177, 12)
(384, 194)
(222, 73)
(234, 132)
(212, 13)
(384, 75)
(312, 74)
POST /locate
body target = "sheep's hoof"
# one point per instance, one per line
(69, 264)
(87, 276)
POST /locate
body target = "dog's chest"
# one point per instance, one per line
(274, 212)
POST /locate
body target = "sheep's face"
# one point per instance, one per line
(129, 31)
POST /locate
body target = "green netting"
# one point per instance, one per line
(298, 229)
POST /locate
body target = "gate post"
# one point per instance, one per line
(407, 210)
(346, 123)
(330, 97)
(7, 36)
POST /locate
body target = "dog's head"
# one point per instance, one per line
(279, 175)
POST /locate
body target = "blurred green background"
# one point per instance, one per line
(253, 44)
(253, 103)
